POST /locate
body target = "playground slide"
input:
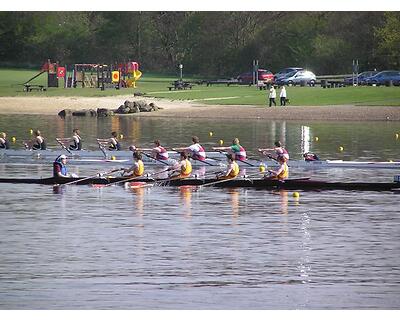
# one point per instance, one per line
(136, 75)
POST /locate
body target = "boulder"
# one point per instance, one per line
(103, 112)
(85, 112)
(65, 113)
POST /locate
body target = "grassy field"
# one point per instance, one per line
(156, 86)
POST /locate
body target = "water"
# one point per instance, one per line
(184, 248)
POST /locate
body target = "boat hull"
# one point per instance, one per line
(290, 184)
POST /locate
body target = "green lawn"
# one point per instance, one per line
(156, 86)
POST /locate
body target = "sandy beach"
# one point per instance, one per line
(188, 109)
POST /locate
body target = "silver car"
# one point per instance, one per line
(299, 77)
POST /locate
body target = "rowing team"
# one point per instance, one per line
(182, 169)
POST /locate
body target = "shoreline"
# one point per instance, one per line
(189, 109)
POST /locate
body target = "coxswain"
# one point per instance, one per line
(232, 169)
(4, 143)
(282, 173)
(196, 151)
(60, 168)
(279, 151)
(235, 149)
(38, 142)
(184, 167)
(113, 142)
(309, 156)
(137, 169)
(76, 140)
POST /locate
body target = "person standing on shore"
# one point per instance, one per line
(282, 95)
(272, 96)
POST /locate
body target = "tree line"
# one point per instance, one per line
(207, 43)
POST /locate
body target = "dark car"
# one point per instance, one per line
(384, 77)
(264, 75)
(360, 79)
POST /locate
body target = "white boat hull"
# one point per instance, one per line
(215, 159)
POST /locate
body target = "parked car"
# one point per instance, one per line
(384, 77)
(284, 73)
(264, 75)
(302, 76)
(361, 78)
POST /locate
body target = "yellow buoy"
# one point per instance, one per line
(341, 148)
(121, 136)
(31, 132)
(262, 168)
(296, 194)
(210, 133)
(13, 139)
(221, 142)
(316, 138)
(397, 135)
(113, 157)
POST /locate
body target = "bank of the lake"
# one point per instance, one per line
(195, 109)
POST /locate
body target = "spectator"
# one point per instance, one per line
(272, 96)
(282, 95)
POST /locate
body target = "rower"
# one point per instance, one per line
(309, 156)
(196, 151)
(158, 152)
(282, 173)
(37, 143)
(4, 143)
(185, 167)
(76, 140)
(279, 151)
(113, 142)
(235, 149)
(137, 169)
(232, 169)
(60, 169)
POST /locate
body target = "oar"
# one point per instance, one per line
(91, 177)
(64, 147)
(149, 156)
(203, 161)
(136, 178)
(243, 161)
(224, 180)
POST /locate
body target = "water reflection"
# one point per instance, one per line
(185, 193)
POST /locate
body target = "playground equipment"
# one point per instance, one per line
(54, 72)
(105, 76)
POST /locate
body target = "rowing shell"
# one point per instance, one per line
(240, 182)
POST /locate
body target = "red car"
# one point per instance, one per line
(265, 76)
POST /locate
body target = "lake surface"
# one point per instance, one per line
(184, 248)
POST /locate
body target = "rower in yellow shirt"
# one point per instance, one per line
(137, 169)
(282, 173)
(232, 169)
(184, 167)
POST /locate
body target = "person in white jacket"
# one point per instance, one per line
(282, 95)
(272, 96)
